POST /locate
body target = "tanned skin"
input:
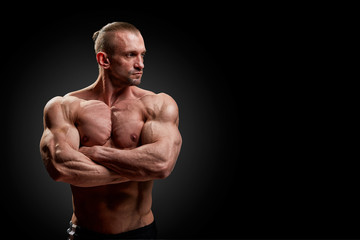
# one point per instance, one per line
(110, 140)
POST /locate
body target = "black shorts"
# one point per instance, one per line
(80, 233)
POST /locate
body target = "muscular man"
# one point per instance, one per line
(110, 140)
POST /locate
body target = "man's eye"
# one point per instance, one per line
(130, 54)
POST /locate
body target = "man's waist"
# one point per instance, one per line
(145, 232)
(115, 221)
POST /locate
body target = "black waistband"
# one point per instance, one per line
(146, 232)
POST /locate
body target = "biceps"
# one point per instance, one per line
(67, 134)
(59, 153)
(153, 131)
(165, 138)
(58, 127)
(56, 140)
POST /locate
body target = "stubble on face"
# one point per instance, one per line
(129, 48)
(136, 80)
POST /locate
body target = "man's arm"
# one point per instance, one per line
(59, 149)
(161, 143)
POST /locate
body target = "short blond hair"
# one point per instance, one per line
(102, 37)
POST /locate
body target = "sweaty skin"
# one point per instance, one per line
(110, 140)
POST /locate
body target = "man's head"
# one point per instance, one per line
(120, 50)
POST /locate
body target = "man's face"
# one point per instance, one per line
(127, 61)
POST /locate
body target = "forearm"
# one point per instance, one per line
(155, 158)
(73, 167)
(139, 164)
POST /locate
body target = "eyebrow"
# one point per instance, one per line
(135, 51)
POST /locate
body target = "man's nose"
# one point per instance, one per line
(139, 64)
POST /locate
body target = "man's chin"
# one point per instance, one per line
(134, 81)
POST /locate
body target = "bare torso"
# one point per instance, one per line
(121, 207)
(110, 140)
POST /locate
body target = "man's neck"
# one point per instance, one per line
(109, 93)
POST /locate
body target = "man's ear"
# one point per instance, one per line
(103, 60)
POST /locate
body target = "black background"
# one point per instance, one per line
(265, 152)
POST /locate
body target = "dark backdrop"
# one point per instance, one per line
(262, 155)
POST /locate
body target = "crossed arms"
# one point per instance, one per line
(98, 165)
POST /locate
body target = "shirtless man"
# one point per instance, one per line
(110, 140)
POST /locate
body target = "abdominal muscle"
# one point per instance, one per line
(113, 209)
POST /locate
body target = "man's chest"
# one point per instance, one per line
(118, 126)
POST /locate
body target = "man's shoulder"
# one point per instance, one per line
(63, 105)
(62, 101)
(157, 99)
(160, 105)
